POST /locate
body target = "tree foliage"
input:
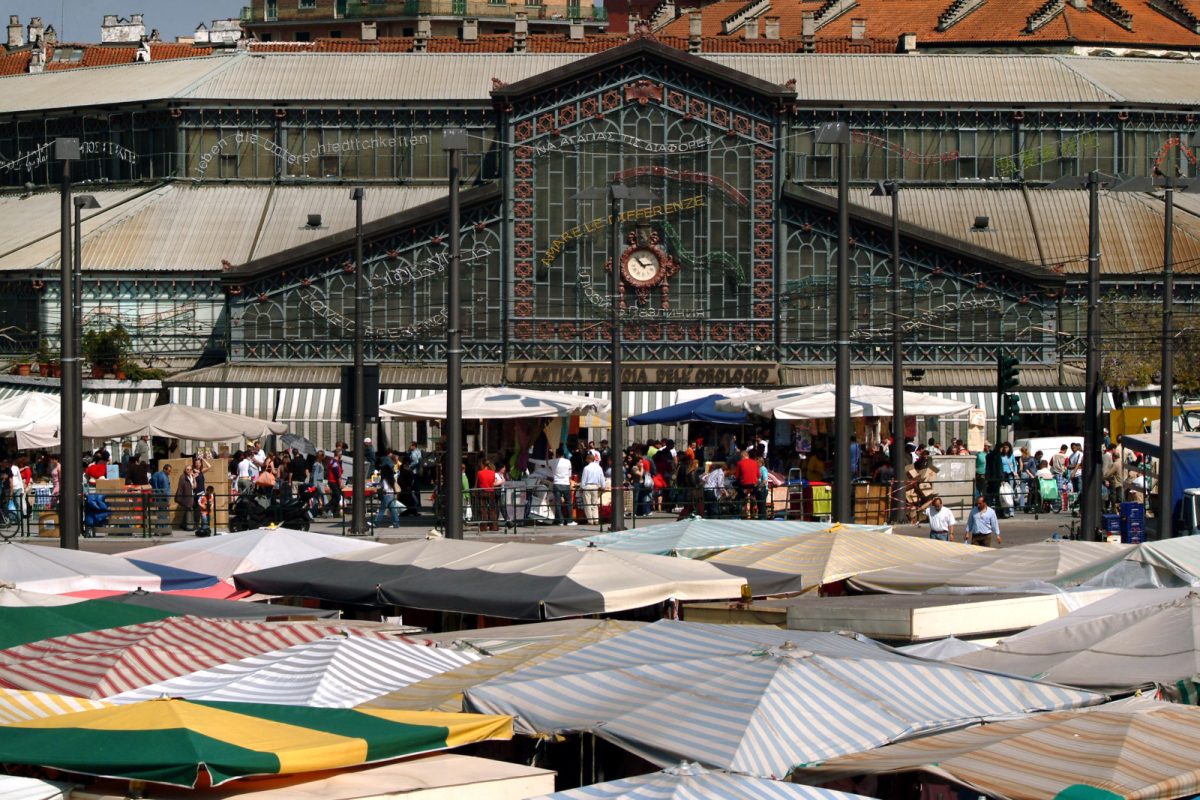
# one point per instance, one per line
(1131, 344)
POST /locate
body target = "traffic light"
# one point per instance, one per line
(1010, 409)
(1007, 369)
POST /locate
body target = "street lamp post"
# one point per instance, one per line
(454, 141)
(70, 421)
(616, 192)
(75, 399)
(838, 133)
(900, 460)
(358, 523)
(1089, 501)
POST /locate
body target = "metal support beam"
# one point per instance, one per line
(454, 140)
(358, 521)
(70, 422)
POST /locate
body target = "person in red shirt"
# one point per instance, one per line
(97, 469)
(485, 482)
(746, 471)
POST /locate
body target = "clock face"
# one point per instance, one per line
(642, 266)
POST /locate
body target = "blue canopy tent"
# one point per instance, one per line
(701, 409)
(1186, 461)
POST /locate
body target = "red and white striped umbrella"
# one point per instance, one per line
(102, 663)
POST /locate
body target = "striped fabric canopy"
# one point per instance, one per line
(444, 692)
(1139, 749)
(1062, 562)
(102, 663)
(174, 741)
(753, 699)
(839, 552)
(20, 706)
(693, 782)
(698, 538)
(334, 672)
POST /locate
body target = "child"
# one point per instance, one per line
(208, 504)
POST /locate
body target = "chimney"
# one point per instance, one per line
(369, 31)
(633, 22)
(137, 19)
(15, 37)
(771, 28)
(858, 29)
(109, 20)
(808, 25)
(695, 31)
(908, 43)
(576, 30)
(750, 29)
(143, 53)
(35, 30)
(424, 31)
(201, 35)
(1079, 4)
(50, 36)
(470, 30)
(37, 60)
(155, 36)
(520, 32)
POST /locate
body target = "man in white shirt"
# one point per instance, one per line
(714, 490)
(18, 488)
(561, 467)
(590, 483)
(941, 521)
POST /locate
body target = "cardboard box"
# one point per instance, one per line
(48, 524)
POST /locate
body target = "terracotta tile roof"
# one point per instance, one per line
(14, 63)
(560, 44)
(484, 44)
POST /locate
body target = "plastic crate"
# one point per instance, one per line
(1132, 532)
(1133, 511)
(1110, 523)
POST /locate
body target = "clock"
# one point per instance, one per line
(644, 266)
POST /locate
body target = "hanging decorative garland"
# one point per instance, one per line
(726, 261)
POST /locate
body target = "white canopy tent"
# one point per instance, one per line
(492, 402)
(819, 401)
(43, 413)
(175, 421)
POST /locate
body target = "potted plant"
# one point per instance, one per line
(48, 365)
(23, 365)
(106, 349)
(136, 372)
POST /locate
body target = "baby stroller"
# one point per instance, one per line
(1051, 495)
(261, 508)
(95, 514)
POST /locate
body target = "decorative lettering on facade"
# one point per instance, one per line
(690, 176)
(344, 147)
(600, 223)
(613, 137)
(928, 317)
(906, 153)
(602, 301)
(1008, 166)
(636, 374)
(437, 322)
(429, 268)
(35, 158)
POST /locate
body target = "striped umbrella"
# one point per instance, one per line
(693, 782)
(505, 655)
(699, 538)
(1136, 749)
(754, 699)
(334, 672)
(20, 706)
(839, 552)
(102, 663)
(1062, 562)
(174, 741)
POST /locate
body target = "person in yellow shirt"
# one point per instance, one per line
(814, 468)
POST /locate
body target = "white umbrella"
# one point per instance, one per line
(492, 402)
(246, 551)
(53, 570)
(44, 412)
(818, 402)
(175, 421)
(13, 424)
(694, 782)
(754, 699)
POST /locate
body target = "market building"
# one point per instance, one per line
(225, 240)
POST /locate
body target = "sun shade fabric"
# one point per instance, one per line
(102, 663)
(31, 624)
(819, 402)
(44, 413)
(941, 649)
(699, 538)
(246, 551)
(54, 570)
(490, 402)
(1062, 562)
(1139, 749)
(444, 692)
(169, 741)
(753, 699)
(1152, 644)
(334, 672)
(175, 421)
(513, 580)
(174, 604)
(17, 705)
(693, 782)
(1164, 563)
(838, 553)
(701, 409)
(13, 787)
